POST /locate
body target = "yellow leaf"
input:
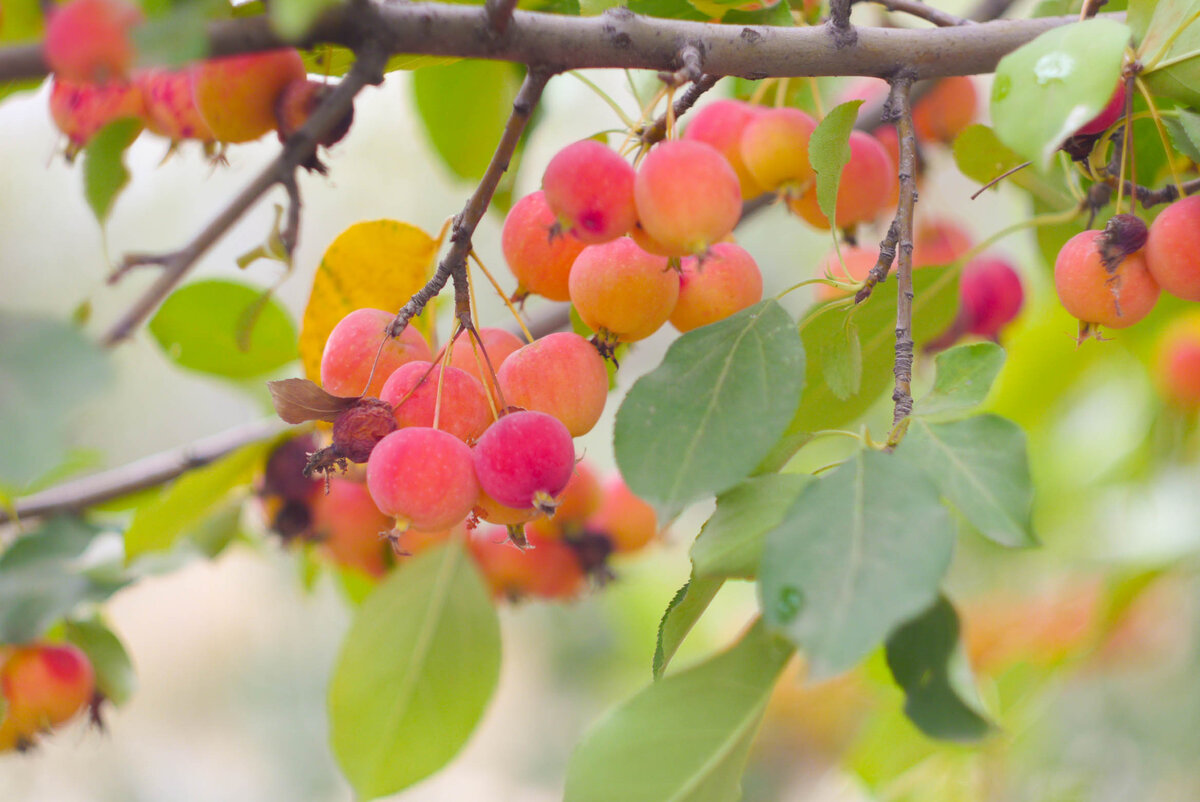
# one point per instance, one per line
(377, 264)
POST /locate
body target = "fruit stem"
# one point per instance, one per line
(496, 285)
(1162, 134)
(612, 104)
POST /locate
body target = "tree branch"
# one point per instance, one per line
(621, 39)
(898, 100)
(368, 69)
(454, 264)
(920, 10)
(657, 130)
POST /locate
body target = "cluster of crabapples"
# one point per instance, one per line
(233, 99)
(480, 437)
(42, 686)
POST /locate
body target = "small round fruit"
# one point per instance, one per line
(628, 521)
(561, 374)
(1112, 111)
(724, 281)
(775, 148)
(688, 197)
(297, 102)
(990, 294)
(590, 189)
(357, 430)
(859, 262)
(944, 111)
(236, 95)
(579, 500)
(546, 569)
(349, 526)
(348, 366)
(621, 291)
(170, 107)
(492, 511)
(412, 390)
(524, 460)
(80, 110)
(1095, 295)
(540, 261)
(45, 685)
(939, 241)
(422, 477)
(1173, 248)
(866, 188)
(1177, 361)
(498, 344)
(88, 40)
(720, 124)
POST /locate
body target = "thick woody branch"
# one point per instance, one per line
(296, 151)
(454, 264)
(621, 39)
(151, 471)
(902, 369)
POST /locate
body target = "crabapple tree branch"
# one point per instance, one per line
(454, 264)
(898, 100)
(656, 131)
(920, 10)
(368, 69)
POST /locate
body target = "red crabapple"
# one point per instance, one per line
(422, 477)
(349, 526)
(297, 102)
(45, 685)
(628, 521)
(578, 501)
(498, 344)
(1112, 111)
(236, 95)
(622, 292)
(990, 295)
(561, 374)
(590, 189)
(859, 262)
(1177, 361)
(80, 110)
(939, 241)
(1173, 249)
(867, 186)
(1115, 298)
(349, 356)
(87, 41)
(170, 107)
(524, 460)
(546, 569)
(720, 124)
(775, 148)
(647, 243)
(412, 391)
(688, 197)
(713, 287)
(541, 262)
(944, 111)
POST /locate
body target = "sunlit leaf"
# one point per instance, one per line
(465, 134)
(291, 19)
(730, 544)
(104, 171)
(1185, 133)
(115, 677)
(981, 156)
(964, 378)
(682, 613)
(829, 152)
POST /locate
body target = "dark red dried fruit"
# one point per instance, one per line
(358, 429)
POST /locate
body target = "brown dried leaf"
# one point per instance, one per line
(301, 400)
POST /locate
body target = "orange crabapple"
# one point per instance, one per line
(348, 366)
(525, 460)
(493, 512)
(87, 41)
(938, 241)
(628, 521)
(561, 374)
(170, 107)
(946, 109)
(578, 501)
(45, 685)
(412, 391)
(297, 102)
(589, 187)
(546, 569)
(349, 525)
(1177, 361)
(720, 124)
(713, 287)
(867, 186)
(622, 292)
(859, 262)
(774, 147)
(236, 95)
(1096, 295)
(540, 260)
(423, 478)
(688, 197)
(1173, 249)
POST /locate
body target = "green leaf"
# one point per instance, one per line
(862, 550)
(1170, 47)
(667, 9)
(981, 467)
(115, 677)
(198, 328)
(829, 152)
(684, 738)
(104, 172)
(46, 573)
(704, 418)
(927, 659)
(176, 35)
(965, 374)
(335, 60)
(839, 351)
(779, 14)
(682, 613)
(981, 156)
(1049, 87)
(730, 544)
(291, 19)
(47, 367)
(934, 307)
(191, 500)
(1185, 133)
(415, 672)
(21, 21)
(464, 134)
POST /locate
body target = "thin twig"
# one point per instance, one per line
(902, 369)
(883, 265)
(454, 264)
(844, 34)
(656, 131)
(79, 494)
(500, 13)
(299, 147)
(920, 10)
